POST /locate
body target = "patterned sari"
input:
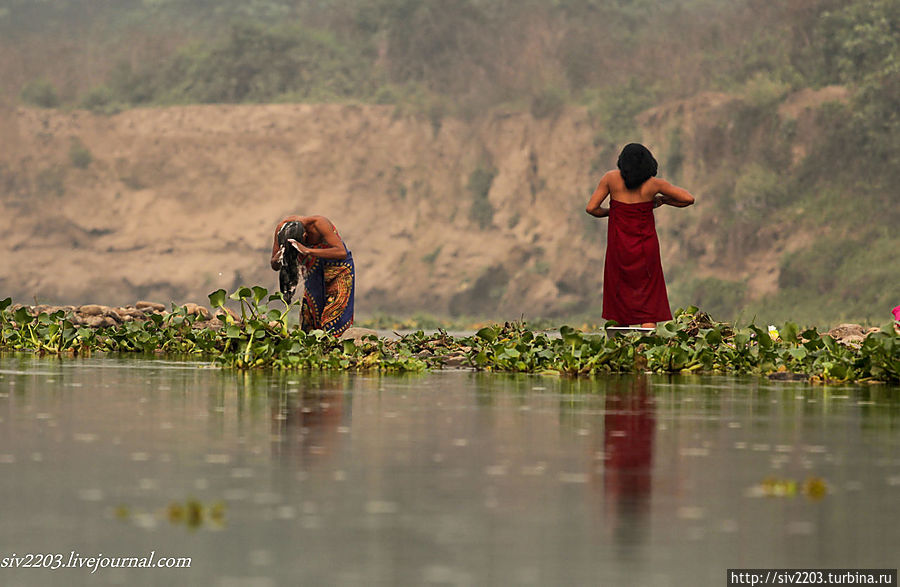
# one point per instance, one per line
(330, 289)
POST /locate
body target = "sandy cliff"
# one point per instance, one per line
(177, 202)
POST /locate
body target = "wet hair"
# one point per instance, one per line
(292, 229)
(637, 165)
(289, 276)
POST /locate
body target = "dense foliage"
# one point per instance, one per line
(691, 343)
(261, 338)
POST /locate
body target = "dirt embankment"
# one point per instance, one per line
(170, 204)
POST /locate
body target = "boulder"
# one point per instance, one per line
(115, 315)
(99, 321)
(357, 334)
(92, 310)
(230, 312)
(848, 333)
(131, 312)
(153, 306)
(214, 324)
(455, 360)
(197, 310)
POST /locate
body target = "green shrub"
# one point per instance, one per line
(41, 93)
(763, 90)
(547, 103)
(675, 159)
(721, 298)
(849, 276)
(99, 100)
(758, 191)
(480, 181)
(79, 154)
(615, 108)
(431, 257)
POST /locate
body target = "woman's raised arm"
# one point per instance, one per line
(595, 205)
(673, 195)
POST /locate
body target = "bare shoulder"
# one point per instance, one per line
(321, 222)
(658, 185)
(613, 177)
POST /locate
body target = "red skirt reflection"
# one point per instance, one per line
(629, 428)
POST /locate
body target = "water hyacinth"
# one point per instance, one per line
(261, 337)
(691, 342)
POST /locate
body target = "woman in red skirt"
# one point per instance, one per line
(634, 289)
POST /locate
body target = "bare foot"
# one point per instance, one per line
(648, 325)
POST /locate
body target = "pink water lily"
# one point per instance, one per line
(897, 313)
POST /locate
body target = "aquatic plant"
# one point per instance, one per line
(690, 343)
(260, 337)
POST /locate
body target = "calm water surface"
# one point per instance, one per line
(451, 478)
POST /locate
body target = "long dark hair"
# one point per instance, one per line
(637, 165)
(289, 276)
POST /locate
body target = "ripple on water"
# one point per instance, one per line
(495, 470)
(380, 508)
(694, 452)
(286, 512)
(800, 528)
(266, 498)
(148, 484)
(691, 513)
(90, 494)
(218, 459)
(729, 526)
(235, 494)
(572, 478)
(534, 470)
(261, 558)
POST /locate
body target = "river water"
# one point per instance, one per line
(446, 478)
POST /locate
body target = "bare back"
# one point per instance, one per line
(612, 185)
(618, 192)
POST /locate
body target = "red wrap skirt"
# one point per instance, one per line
(634, 289)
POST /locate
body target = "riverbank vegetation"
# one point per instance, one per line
(259, 337)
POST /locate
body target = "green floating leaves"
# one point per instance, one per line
(262, 338)
(217, 298)
(259, 293)
(487, 333)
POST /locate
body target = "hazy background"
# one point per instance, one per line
(455, 144)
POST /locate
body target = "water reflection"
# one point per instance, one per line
(306, 423)
(628, 431)
(447, 478)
